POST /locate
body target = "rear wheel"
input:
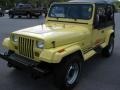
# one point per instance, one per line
(11, 15)
(3, 14)
(107, 51)
(19, 16)
(37, 16)
(29, 16)
(67, 73)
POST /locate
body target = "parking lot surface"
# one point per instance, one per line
(98, 73)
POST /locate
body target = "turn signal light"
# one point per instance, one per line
(62, 50)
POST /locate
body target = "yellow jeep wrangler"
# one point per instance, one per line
(73, 32)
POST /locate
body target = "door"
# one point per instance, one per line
(104, 21)
(98, 36)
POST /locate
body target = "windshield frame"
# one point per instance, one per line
(60, 4)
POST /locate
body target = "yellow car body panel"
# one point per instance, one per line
(7, 44)
(61, 38)
(74, 36)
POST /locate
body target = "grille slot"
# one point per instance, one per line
(26, 47)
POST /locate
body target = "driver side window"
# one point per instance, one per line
(58, 11)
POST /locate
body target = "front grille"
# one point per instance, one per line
(26, 47)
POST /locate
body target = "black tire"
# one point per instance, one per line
(37, 17)
(3, 14)
(67, 73)
(11, 15)
(29, 16)
(15, 67)
(107, 51)
(19, 16)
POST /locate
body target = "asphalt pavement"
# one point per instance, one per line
(98, 73)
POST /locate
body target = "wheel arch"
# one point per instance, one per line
(112, 34)
(76, 53)
(109, 34)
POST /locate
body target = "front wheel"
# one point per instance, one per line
(107, 51)
(11, 16)
(67, 73)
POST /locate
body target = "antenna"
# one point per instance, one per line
(42, 18)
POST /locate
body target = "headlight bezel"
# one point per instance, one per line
(40, 44)
(14, 38)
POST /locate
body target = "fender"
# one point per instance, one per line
(7, 44)
(108, 35)
(58, 56)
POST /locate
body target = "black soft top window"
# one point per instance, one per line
(104, 16)
(74, 11)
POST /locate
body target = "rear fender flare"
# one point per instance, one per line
(109, 34)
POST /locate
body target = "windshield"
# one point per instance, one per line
(72, 11)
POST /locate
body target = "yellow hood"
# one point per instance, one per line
(61, 34)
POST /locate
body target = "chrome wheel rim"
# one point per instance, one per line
(111, 47)
(72, 73)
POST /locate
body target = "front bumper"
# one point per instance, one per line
(35, 68)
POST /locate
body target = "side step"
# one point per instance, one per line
(89, 54)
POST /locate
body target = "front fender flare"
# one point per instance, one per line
(57, 57)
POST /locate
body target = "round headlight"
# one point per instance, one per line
(40, 44)
(15, 38)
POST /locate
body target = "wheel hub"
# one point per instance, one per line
(111, 47)
(72, 73)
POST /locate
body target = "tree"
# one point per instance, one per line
(11, 3)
